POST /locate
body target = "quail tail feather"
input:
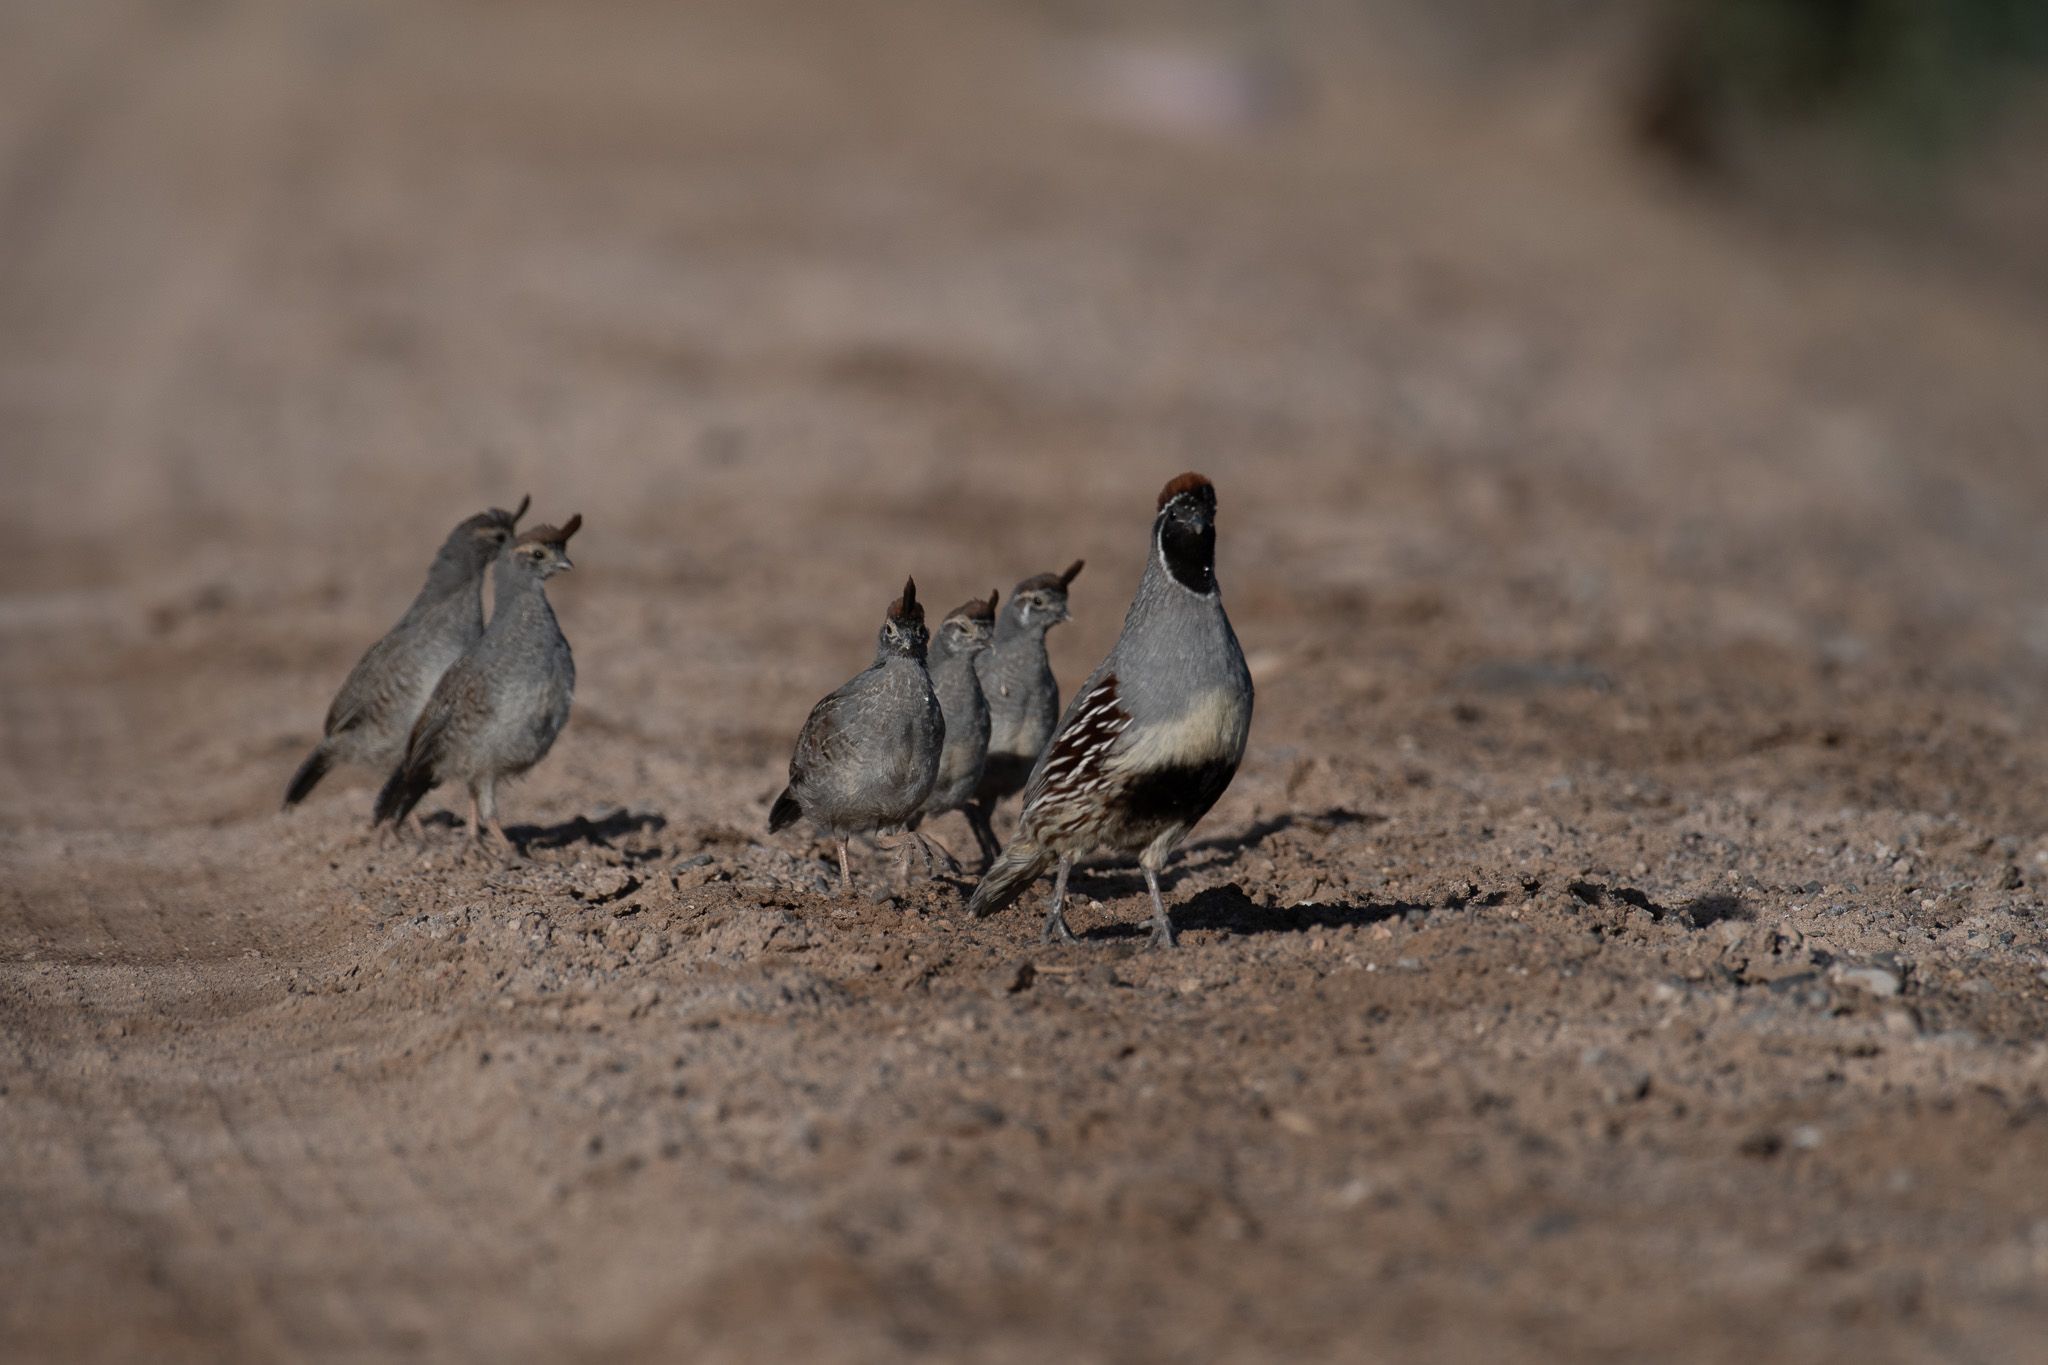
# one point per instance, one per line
(308, 776)
(402, 791)
(1021, 864)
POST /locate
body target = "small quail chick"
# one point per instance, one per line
(1023, 696)
(1152, 738)
(373, 713)
(869, 753)
(962, 638)
(497, 711)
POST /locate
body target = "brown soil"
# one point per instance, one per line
(1622, 941)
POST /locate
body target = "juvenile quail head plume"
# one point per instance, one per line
(374, 711)
(962, 637)
(868, 753)
(498, 709)
(1023, 696)
(1153, 737)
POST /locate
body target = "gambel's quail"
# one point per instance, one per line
(1023, 696)
(497, 711)
(962, 637)
(1153, 737)
(869, 753)
(373, 713)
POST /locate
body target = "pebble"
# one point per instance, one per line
(1875, 980)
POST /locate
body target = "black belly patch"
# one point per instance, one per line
(1179, 795)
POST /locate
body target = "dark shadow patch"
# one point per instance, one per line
(1709, 910)
(600, 833)
(1694, 914)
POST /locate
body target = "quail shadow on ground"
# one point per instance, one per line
(1111, 877)
(602, 832)
(1228, 908)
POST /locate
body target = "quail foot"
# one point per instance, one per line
(961, 639)
(1023, 696)
(1153, 737)
(868, 755)
(496, 712)
(373, 714)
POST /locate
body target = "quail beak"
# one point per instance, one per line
(562, 564)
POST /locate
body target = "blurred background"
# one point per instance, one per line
(1645, 319)
(1628, 418)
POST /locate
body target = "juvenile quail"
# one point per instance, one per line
(962, 638)
(1152, 738)
(497, 711)
(1023, 696)
(869, 753)
(373, 713)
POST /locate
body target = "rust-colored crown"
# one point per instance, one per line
(1187, 483)
(1057, 581)
(552, 535)
(974, 609)
(906, 608)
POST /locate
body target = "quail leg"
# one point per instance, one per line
(1056, 930)
(488, 799)
(845, 877)
(977, 813)
(1162, 925)
(931, 844)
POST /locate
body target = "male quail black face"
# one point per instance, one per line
(1153, 737)
(373, 713)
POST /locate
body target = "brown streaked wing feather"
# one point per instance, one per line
(1073, 767)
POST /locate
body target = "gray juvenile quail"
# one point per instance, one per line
(1152, 738)
(869, 753)
(497, 711)
(1023, 696)
(962, 638)
(373, 713)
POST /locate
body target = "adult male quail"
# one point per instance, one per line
(869, 753)
(1023, 696)
(373, 713)
(497, 711)
(1153, 737)
(962, 638)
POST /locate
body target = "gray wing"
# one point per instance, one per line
(460, 700)
(373, 687)
(827, 735)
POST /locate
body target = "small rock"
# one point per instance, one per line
(1874, 980)
(1012, 978)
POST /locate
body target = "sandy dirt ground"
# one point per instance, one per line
(1624, 938)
